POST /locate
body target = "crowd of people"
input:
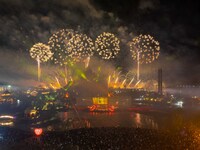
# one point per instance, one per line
(11, 136)
(112, 138)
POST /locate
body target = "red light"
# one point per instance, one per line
(92, 108)
(38, 131)
(111, 108)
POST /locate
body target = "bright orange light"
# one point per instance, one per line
(109, 94)
(92, 108)
(67, 95)
(33, 112)
(38, 131)
(5, 94)
(111, 108)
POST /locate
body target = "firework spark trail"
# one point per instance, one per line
(137, 83)
(148, 48)
(87, 62)
(52, 86)
(123, 83)
(119, 73)
(59, 85)
(144, 50)
(41, 53)
(66, 80)
(109, 79)
(116, 80)
(131, 82)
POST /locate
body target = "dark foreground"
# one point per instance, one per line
(100, 138)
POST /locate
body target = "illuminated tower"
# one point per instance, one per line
(160, 81)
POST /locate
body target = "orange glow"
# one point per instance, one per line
(44, 93)
(33, 112)
(111, 109)
(5, 94)
(92, 108)
(109, 95)
(138, 119)
(67, 95)
(38, 131)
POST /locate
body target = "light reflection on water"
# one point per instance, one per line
(116, 119)
(143, 121)
(6, 120)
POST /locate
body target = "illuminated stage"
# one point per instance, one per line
(101, 104)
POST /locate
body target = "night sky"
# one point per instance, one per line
(174, 23)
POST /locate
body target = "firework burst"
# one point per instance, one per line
(146, 47)
(40, 51)
(59, 45)
(145, 50)
(81, 47)
(107, 45)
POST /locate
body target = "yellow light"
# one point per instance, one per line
(100, 100)
(6, 123)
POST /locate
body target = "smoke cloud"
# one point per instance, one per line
(24, 23)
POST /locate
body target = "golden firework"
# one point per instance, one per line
(59, 45)
(40, 52)
(144, 47)
(107, 45)
(80, 46)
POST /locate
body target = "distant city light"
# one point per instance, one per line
(179, 104)
(1, 137)
(6, 123)
(6, 117)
